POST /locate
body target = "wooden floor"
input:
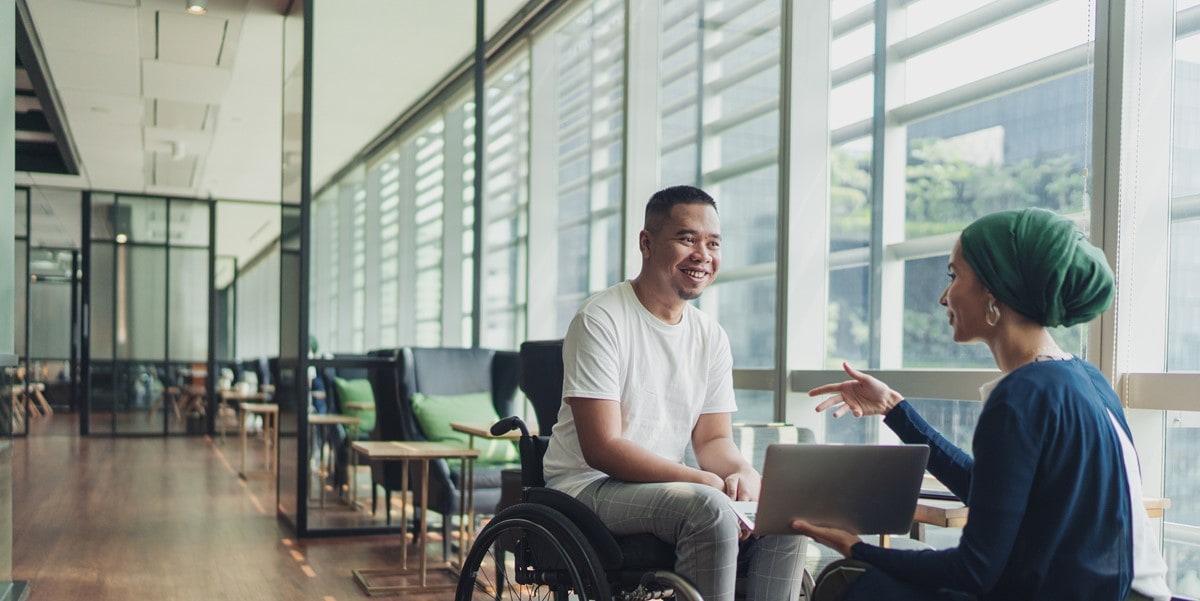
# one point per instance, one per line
(124, 519)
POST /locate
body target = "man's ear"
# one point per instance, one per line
(644, 243)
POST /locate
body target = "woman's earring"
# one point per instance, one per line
(993, 314)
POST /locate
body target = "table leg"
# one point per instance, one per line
(352, 478)
(30, 405)
(221, 404)
(351, 495)
(318, 475)
(403, 515)
(466, 527)
(242, 432)
(268, 440)
(41, 398)
(424, 516)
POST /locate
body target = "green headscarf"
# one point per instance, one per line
(1039, 264)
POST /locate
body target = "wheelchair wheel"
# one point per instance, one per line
(530, 551)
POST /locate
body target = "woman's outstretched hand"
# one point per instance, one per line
(861, 395)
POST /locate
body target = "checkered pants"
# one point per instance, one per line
(699, 521)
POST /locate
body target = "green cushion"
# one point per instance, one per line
(357, 391)
(436, 413)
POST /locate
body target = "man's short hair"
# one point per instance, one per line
(660, 205)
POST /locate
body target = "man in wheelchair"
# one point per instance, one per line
(645, 373)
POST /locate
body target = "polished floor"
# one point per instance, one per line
(109, 519)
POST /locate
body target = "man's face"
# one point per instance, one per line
(684, 254)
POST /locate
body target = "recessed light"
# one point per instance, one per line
(197, 7)
(122, 238)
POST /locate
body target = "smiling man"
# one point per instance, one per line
(645, 373)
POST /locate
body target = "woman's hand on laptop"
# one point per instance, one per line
(835, 538)
(862, 395)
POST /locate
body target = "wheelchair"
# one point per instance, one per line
(560, 550)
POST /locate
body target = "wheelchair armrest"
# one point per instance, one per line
(601, 538)
(532, 449)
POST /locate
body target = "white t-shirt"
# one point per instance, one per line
(664, 377)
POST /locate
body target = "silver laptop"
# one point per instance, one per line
(866, 489)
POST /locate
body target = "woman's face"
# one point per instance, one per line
(966, 300)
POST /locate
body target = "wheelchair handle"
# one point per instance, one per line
(509, 424)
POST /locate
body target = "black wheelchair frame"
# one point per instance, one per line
(560, 549)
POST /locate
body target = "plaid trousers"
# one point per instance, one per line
(701, 524)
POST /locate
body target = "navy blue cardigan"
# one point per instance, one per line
(1050, 510)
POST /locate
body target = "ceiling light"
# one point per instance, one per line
(197, 7)
(122, 238)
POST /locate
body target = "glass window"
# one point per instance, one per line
(323, 291)
(141, 301)
(226, 309)
(589, 104)
(139, 219)
(188, 306)
(50, 318)
(719, 110)
(1028, 148)
(1182, 485)
(102, 277)
(506, 191)
(1181, 534)
(103, 216)
(21, 212)
(848, 328)
(1013, 130)
(258, 307)
(466, 115)
(428, 225)
(755, 406)
(388, 182)
(189, 223)
(1018, 40)
(358, 261)
(1183, 335)
(20, 281)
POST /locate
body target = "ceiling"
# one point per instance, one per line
(154, 100)
(40, 143)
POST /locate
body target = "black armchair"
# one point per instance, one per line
(438, 372)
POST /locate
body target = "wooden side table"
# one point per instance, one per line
(953, 514)
(225, 395)
(421, 452)
(270, 413)
(318, 420)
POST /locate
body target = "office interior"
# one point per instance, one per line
(277, 187)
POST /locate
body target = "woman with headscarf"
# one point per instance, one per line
(1054, 485)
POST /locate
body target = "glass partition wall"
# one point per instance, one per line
(291, 366)
(149, 292)
(8, 353)
(389, 250)
(47, 318)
